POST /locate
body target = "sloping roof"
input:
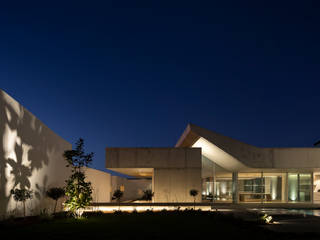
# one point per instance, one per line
(317, 144)
(248, 155)
(235, 155)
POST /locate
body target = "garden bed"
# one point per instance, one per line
(146, 225)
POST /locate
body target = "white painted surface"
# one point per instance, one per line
(152, 158)
(174, 185)
(101, 184)
(218, 156)
(175, 170)
(30, 157)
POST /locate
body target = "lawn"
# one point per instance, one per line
(148, 225)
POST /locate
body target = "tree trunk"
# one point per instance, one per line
(194, 203)
(24, 209)
(55, 206)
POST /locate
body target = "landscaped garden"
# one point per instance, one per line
(146, 225)
(177, 224)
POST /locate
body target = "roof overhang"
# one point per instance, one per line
(234, 155)
(218, 156)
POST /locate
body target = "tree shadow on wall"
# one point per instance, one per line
(20, 172)
(24, 147)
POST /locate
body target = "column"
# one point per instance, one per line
(262, 188)
(214, 182)
(284, 197)
(287, 188)
(235, 194)
(152, 187)
(312, 175)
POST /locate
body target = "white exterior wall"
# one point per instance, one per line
(175, 170)
(153, 158)
(300, 158)
(101, 184)
(30, 157)
(174, 185)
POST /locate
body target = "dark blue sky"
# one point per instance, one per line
(134, 74)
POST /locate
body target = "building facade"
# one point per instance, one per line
(172, 171)
(31, 157)
(220, 168)
(223, 169)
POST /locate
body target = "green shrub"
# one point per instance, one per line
(78, 190)
(55, 193)
(22, 195)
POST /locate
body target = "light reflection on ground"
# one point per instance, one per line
(279, 211)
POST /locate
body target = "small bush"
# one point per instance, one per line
(44, 215)
(55, 193)
(118, 212)
(22, 195)
(147, 195)
(61, 215)
(93, 214)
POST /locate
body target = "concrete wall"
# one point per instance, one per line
(174, 185)
(296, 158)
(101, 184)
(30, 157)
(175, 170)
(153, 157)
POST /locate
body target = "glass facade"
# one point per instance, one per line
(261, 187)
(220, 185)
(300, 187)
(316, 187)
(216, 182)
(293, 187)
(250, 187)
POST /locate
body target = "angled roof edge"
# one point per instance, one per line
(19, 108)
(188, 138)
(249, 155)
(196, 132)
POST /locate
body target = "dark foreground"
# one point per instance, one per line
(147, 225)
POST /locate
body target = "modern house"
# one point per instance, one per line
(223, 170)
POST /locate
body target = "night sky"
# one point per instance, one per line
(134, 74)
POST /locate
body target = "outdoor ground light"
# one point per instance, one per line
(267, 218)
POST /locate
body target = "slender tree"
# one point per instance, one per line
(78, 190)
(22, 195)
(194, 193)
(55, 193)
(117, 195)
